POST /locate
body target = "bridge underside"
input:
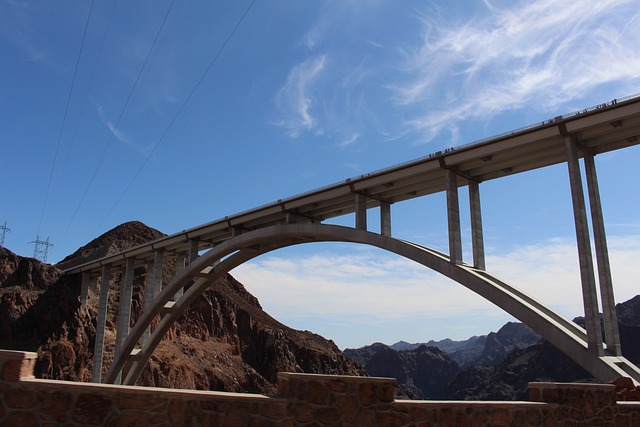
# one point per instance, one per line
(568, 337)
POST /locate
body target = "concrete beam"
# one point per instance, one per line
(148, 298)
(385, 219)
(98, 350)
(610, 318)
(453, 217)
(180, 266)
(193, 249)
(585, 258)
(124, 306)
(477, 238)
(361, 211)
(84, 290)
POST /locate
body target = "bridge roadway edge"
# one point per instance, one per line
(562, 333)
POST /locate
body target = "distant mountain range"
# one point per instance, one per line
(497, 366)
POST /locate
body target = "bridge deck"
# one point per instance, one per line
(602, 129)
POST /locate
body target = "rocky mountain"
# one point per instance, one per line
(422, 373)
(225, 341)
(509, 380)
(497, 366)
(488, 349)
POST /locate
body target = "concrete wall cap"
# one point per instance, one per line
(17, 355)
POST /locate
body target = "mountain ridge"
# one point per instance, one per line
(224, 341)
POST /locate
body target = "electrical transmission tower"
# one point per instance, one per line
(41, 249)
(5, 230)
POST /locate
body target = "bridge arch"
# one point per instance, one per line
(568, 337)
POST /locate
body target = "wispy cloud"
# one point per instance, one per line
(119, 135)
(296, 97)
(18, 27)
(349, 141)
(519, 54)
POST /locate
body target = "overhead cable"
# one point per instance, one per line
(64, 119)
(184, 104)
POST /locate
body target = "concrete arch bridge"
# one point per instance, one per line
(236, 239)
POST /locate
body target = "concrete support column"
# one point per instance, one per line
(93, 286)
(385, 219)
(361, 212)
(124, 305)
(453, 217)
(612, 335)
(587, 276)
(84, 290)
(477, 239)
(154, 285)
(193, 249)
(148, 299)
(180, 266)
(124, 308)
(98, 350)
(158, 264)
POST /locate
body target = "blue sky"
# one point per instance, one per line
(181, 113)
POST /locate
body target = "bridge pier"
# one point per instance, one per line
(610, 318)
(84, 290)
(124, 306)
(153, 286)
(180, 266)
(453, 216)
(587, 277)
(361, 211)
(98, 351)
(385, 219)
(477, 238)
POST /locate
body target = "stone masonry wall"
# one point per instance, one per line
(302, 400)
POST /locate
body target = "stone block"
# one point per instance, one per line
(237, 414)
(365, 418)
(17, 365)
(179, 413)
(337, 386)
(303, 413)
(19, 399)
(327, 416)
(500, 417)
(55, 406)
(392, 419)
(91, 409)
(317, 393)
(348, 406)
(21, 418)
(132, 418)
(274, 411)
(140, 401)
(367, 393)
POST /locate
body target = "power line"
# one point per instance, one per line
(64, 118)
(41, 250)
(91, 80)
(5, 230)
(115, 127)
(184, 104)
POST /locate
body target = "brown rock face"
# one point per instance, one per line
(224, 341)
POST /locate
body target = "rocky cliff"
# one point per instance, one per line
(225, 341)
(497, 366)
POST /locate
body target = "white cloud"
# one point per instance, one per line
(296, 98)
(119, 135)
(349, 141)
(345, 287)
(538, 54)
